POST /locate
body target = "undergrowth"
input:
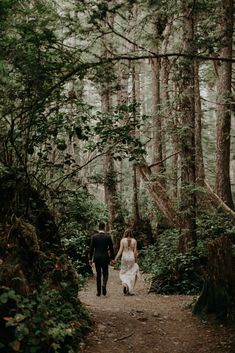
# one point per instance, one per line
(173, 272)
(47, 320)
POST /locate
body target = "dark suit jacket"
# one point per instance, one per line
(101, 248)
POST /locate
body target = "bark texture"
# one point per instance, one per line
(223, 185)
(200, 170)
(187, 136)
(160, 196)
(217, 296)
(157, 118)
(116, 221)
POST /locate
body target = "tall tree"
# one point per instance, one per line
(116, 221)
(136, 116)
(110, 184)
(158, 28)
(200, 171)
(187, 133)
(135, 76)
(224, 69)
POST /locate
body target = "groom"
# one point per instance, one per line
(101, 250)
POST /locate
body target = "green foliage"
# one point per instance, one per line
(213, 225)
(172, 272)
(80, 214)
(82, 207)
(30, 63)
(45, 321)
(116, 130)
(76, 242)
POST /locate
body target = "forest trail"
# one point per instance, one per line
(146, 322)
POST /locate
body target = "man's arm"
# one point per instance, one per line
(91, 251)
(111, 248)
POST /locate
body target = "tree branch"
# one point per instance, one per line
(129, 40)
(163, 160)
(80, 69)
(219, 201)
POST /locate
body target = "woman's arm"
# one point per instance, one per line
(119, 251)
(135, 251)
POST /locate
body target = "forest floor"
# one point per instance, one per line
(149, 323)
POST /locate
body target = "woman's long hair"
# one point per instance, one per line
(128, 233)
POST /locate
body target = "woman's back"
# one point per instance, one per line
(128, 244)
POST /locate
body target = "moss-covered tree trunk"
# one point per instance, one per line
(36, 276)
(159, 26)
(218, 293)
(160, 195)
(223, 185)
(200, 170)
(116, 220)
(157, 120)
(136, 114)
(187, 132)
(110, 184)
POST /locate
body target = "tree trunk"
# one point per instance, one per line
(110, 184)
(166, 110)
(116, 221)
(135, 206)
(174, 124)
(187, 136)
(158, 29)
(223, 186)
(110, 188)
(122, 99)
(110, 177)
(217, 296)
(200, 171)
(159, 195)
(135, 100)
(157, 123)
(218, 202)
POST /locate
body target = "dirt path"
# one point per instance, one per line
(148, 323)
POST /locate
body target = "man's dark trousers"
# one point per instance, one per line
(101, 267)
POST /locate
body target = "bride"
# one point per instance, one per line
(129, 267)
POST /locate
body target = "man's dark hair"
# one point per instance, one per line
(101, 226)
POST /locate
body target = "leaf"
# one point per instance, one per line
(75, 324)
(19, 317)
(61, 146)
(78, 131)
(7, 318)
(15, 345)
(4, 298)
(30, 150)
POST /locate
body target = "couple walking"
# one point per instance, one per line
(101, 250)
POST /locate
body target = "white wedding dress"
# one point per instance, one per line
(129, 268)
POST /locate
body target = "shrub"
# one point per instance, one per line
(76, 243)
(47, 320)
(171, 271)
(211, 226)
(80, 214)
